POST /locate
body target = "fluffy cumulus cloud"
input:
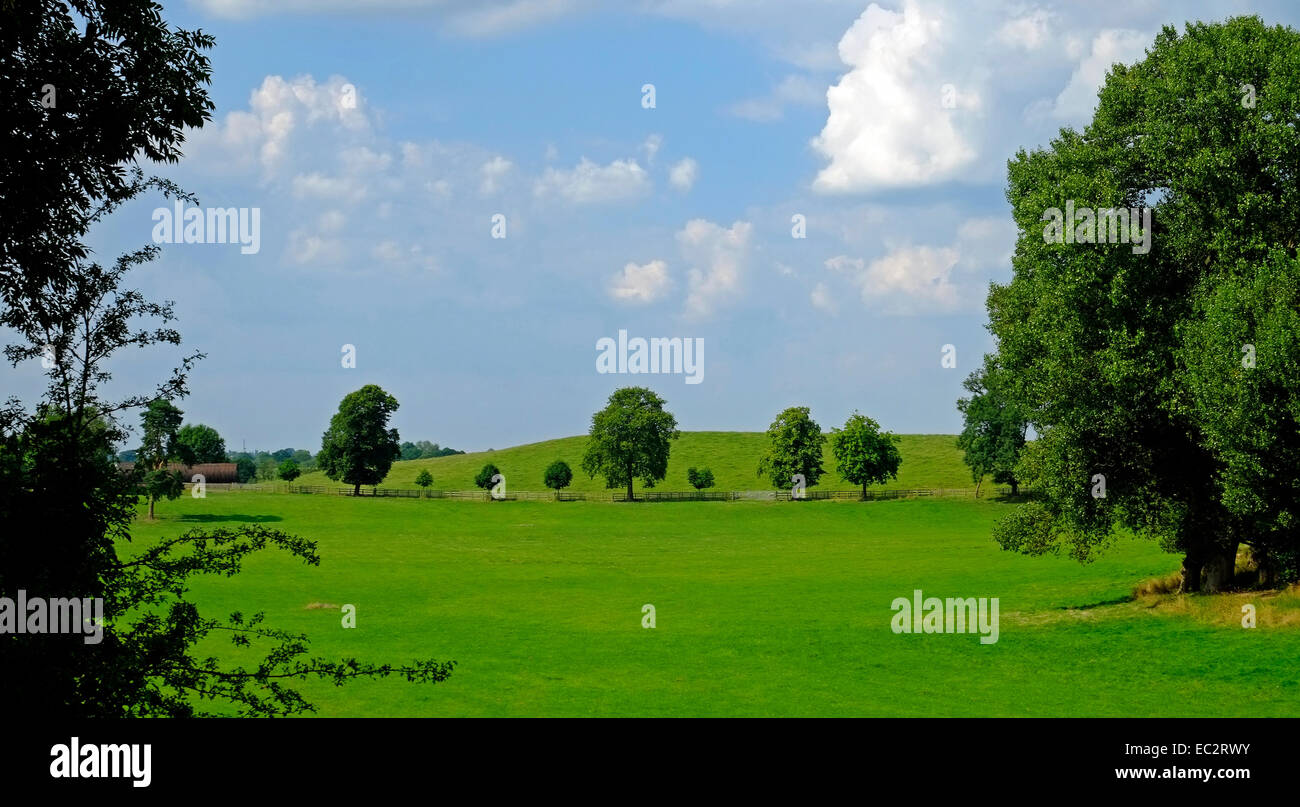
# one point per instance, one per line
(911, 279)
(892, 122)
(645, 283)
(683, 173)
(589, 182)
(717, 257)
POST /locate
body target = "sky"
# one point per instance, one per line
(384, 143)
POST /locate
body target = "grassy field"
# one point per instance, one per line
(763, 608)
(929, 460)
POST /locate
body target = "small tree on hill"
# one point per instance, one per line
(485, 474)
(203, 441)
(424, 479)
(558, 476)
(795, 444)
(864, 455)
(289, 470)
(699, 478)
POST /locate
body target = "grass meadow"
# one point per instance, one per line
(763, 608)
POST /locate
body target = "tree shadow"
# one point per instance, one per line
(209, 518)
(1116, 601)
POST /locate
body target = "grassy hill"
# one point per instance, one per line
(929, 461)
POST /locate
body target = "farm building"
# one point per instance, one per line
(211, 471)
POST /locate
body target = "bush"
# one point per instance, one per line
(484, 478)
(700, 478)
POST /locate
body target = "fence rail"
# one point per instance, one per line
(618, 496)
(680, 496)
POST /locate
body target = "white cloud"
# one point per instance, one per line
(1079, 98)
(641, 284)
(823, 299)
(887, 126)
(717, 257)
(651, 146)
(793, 89)
(683, 174)
(588, 182)
(493, 171)
(1030, 32)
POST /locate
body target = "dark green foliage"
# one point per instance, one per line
(289, 470)
(359, 448)
(630, 438)
(558, 475)
(424, 479)
(484, 478)
(864, 455)
(795, 444)
(993, 430)
(699, 478)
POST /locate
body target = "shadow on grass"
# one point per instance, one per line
(208, 519)
(1116, 601)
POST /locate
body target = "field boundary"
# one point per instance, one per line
(616, 496)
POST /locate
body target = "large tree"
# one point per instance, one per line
(203, 442)
(993, 429)
(794, 446)
(127, 84)
(630, 439)
(1118, 354)
(359, 448)
(864, 455)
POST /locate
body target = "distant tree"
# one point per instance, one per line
(126, 456)
(993, 434)
(409, 451)
(266, 466)
(630, 438)
(282, 455)
(795, 444)
(304, 459)
(359, 448)
(424, 479)
(203, 441)
(558, 476)
(864, 455)
(484, 478)
(289, 470)
(245, 470)
(700, 478)
(161, 421)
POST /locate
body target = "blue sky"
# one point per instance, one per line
(379, 139)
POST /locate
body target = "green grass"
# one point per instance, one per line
(763, 608)
(929, 460)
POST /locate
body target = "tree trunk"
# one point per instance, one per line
(1015, 488)
(629, 488)
(356, 489)
(1191, 582)
(978, 482)
(151, 501)
(1221, 568)
(864, 491)
(1265, 564)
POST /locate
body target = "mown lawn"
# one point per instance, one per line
(762, 609)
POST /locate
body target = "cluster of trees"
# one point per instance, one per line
(423, 450)
(1162, 387)
(65, 507)
(864, 455)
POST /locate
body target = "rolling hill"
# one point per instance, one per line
(929, 461)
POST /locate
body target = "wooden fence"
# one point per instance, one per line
(617, 496)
